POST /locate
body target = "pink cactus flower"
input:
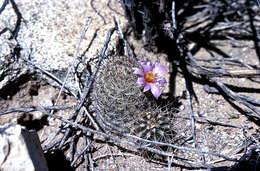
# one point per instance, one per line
(151, 76)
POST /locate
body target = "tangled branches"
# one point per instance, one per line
(110, 105)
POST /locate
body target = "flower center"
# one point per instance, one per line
(149, 77)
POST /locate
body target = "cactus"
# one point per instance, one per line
(117, 97)
(121, 105)
(154, 124)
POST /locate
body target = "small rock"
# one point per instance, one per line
(20, 149)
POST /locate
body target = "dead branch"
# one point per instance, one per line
(89, 84)
(118, 140)
(33, 108)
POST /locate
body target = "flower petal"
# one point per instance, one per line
(142, 62)
(147, 87)
(161, 81)
(140, 80)
(159, 69)
(156, 91)
(138, 71)
(147, 65)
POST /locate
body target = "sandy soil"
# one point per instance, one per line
(219, 139)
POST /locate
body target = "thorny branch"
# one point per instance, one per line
(116, 139)
(33, 108)
(89, 83)
(199, 25)
(15, 31)
(3, 5)
(188, 83)
(72, 124)
(217, 20)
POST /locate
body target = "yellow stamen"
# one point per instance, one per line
(149, 77)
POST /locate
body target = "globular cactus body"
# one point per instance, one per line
(121, 105)
(154, 124)
(117, 97)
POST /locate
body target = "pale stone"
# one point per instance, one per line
(20, 150)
